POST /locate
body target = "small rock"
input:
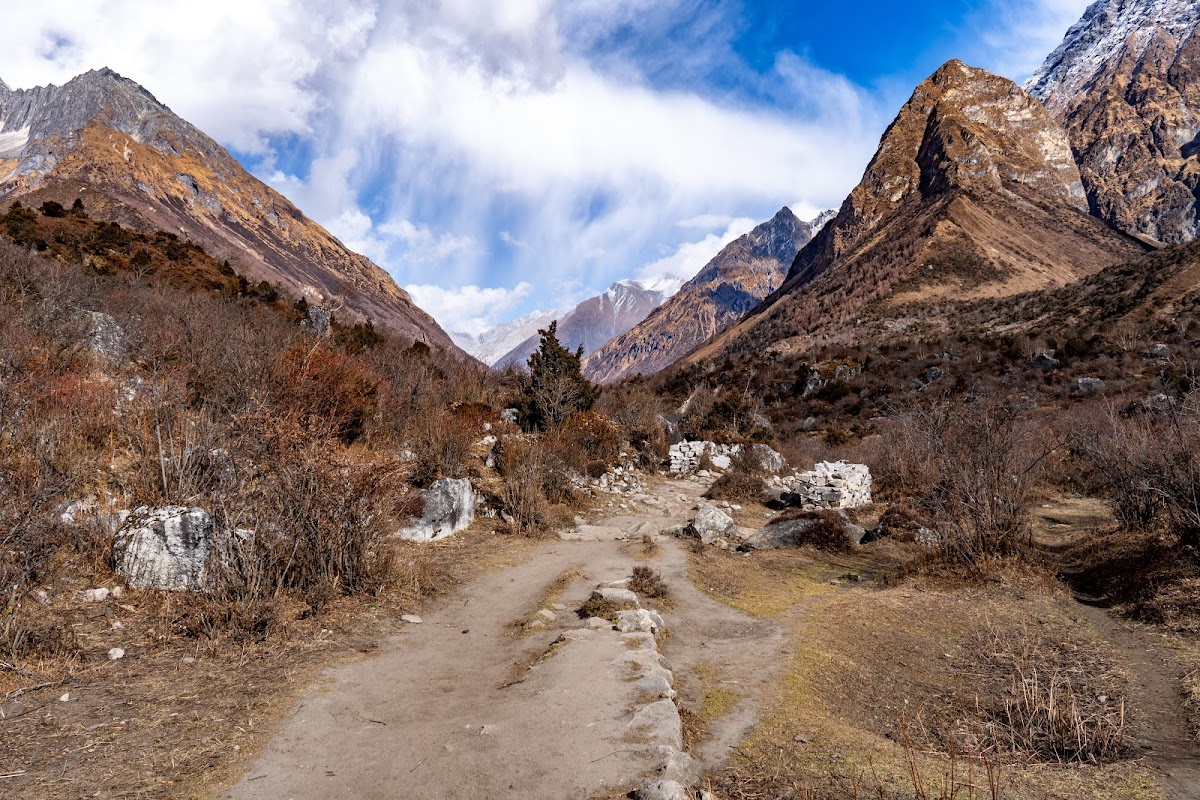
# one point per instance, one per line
(547, 615)
(558, 607)
(116, 654)
(188, 660)
(656, 686)
(598, 623)
(662, 790)
(660, 722)
(94, 595)
(802, 738)
(412, 619)
(66, 698)
(614, 595)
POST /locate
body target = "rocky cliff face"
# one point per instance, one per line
(598, 319)
(733, 283)
(1125, 83)
(973, 193)
(107, 140)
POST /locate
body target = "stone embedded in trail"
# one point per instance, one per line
(711, 525)
(621, 597)
(411, 619)
(448, 507)
(640, 619)
(663, 790)
(598, 624)
(655, 686)
(660, 722)
(166, 548)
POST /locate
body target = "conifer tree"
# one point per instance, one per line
(557, 388)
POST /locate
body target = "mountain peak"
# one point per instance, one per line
(1109, 31)
(1125, 84)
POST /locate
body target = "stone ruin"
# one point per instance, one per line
(827, 485)
(686, 456)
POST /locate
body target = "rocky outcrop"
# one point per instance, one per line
(1125, 83)
(171, 548)
(447, 507)
(596, 320)
(734, 282)
(107, 140)
(973, 193)
(799, 532)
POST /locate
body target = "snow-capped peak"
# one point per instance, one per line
(821, 220)
(1106, 28)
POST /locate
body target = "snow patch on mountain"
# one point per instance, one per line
(1106, 28)
(491, 345)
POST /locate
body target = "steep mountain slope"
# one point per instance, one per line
(105, 139)
(494, 343)
(733, 283)
(973, 193)
(1125, 83)
(598, 319)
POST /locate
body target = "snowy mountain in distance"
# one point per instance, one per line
(596, 320)
(491, 345)
(1125, 84)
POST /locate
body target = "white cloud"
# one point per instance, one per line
(468, 309)
(512, 241)
(690, 257)
(1013, 37)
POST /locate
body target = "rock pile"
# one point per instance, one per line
(827, 485)
(686, 456)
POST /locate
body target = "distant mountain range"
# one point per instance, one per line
(108, 141)
(596, 320)
(733, 283)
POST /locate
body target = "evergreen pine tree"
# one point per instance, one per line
(557, 388)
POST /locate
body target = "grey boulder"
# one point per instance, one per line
(448, 506)
(711, 525)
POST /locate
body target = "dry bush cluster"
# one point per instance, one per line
(204, 398)
(742, 482)
(969, 468)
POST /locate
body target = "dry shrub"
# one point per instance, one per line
(647, 582)
(599, 607)
(899, 522)
(969, 468)
(441, 444)
(525, 466)
(638, 412)
(585, 439)
(1052, 708)
(324, 391)
(1150, 463)
(742, 482)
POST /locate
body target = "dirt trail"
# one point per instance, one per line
(464, 706)
(1158, 720)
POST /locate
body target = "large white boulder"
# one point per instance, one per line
(169, 547)
(712, 525)
(448, 506)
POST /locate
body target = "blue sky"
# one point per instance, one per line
(501, 156)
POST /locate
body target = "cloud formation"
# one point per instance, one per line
(468, 309)
(552, 144)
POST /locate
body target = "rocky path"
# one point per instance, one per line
(471, 704)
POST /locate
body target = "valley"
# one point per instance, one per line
(898, 500)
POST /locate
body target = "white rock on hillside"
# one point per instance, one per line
(166, 548)
(448, 507)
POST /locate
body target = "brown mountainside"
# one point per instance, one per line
(973, 193)
(105, 139)
(1125, 84)
(733, 283)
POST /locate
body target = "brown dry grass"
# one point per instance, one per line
(886, 684)
(153, 725)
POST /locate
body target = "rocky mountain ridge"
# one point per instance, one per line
(1125, 83)
(494, 343)
(107, 140)
(972, 193)
(731, 284)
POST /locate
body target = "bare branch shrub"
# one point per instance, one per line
(970, 469)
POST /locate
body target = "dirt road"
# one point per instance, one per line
(467, 705)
